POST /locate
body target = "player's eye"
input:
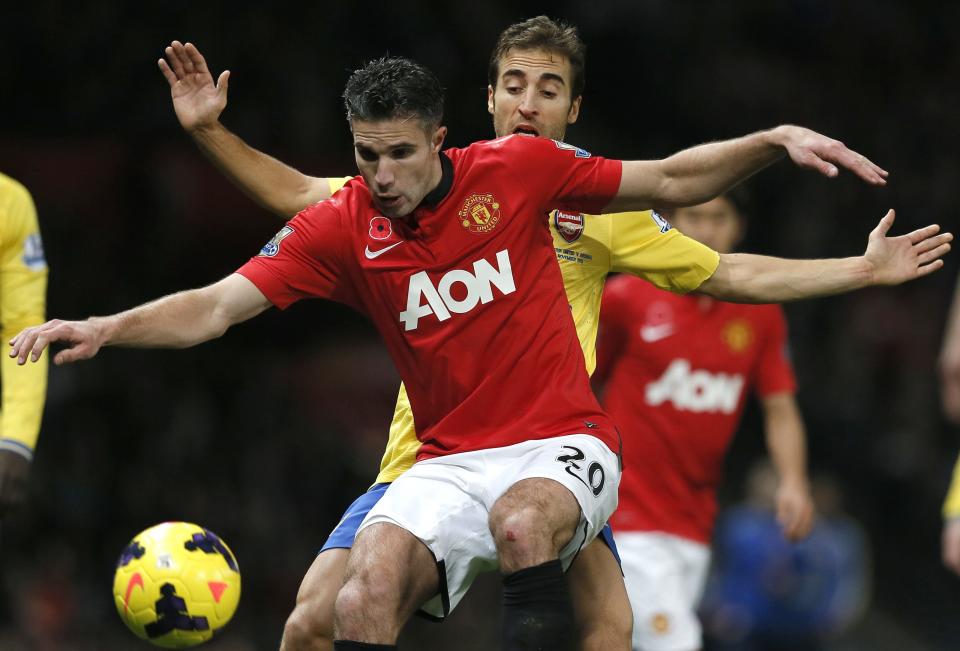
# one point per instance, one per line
(514, 90)
(367, 155)
(402, 152)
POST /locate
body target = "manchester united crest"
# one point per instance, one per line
(480, 213)
(738, 335)
(569, 225)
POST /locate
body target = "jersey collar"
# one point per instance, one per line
(439, 193)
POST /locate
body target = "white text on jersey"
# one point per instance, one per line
(479, 286)
(696, 391)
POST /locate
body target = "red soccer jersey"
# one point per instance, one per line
(466, 291)
(679, 369)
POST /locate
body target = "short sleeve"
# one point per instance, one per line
(566, 177)
(305, 259)
(644, 244)
(775, 373)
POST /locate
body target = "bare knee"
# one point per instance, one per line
(308, 629)
(532, 522)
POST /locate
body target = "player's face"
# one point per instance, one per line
(533, 95)
(715, 223)
(398, 160)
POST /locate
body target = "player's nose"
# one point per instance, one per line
(384, 176)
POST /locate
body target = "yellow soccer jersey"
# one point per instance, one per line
(23, 288)
(951, 505)
(588, 248)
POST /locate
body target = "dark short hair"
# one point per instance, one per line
(542, 33)
(394, 87)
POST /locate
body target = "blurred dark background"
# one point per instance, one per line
(267, 434)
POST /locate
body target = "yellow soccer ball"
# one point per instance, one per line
(176, 585)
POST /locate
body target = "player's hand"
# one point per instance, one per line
(815, 151)
(794, 510)
(197, 101)
(950, 544)
(14, 470)
(895, 260)
(82, 338)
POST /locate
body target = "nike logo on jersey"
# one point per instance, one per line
(652, 333)
(696, 390)
(376, 254)
(440, 301)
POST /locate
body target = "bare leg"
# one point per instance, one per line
(389, 574)
(531, 523)
(600, 600)
(310, 625)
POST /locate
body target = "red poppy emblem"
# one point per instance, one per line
(380, 228)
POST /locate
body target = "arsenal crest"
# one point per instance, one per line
(480, 213)
(569, 225)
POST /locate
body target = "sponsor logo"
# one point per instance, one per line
(737, 335)
(578, 152)
(569, 225)
(696, 390)
(439, 298)
(375, 254)
(33, 253)
(380, 228)
(480, 213)
(272, 247)
(135, 580)
(661, 223)
(652, 333)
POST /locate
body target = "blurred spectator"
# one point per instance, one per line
(768, 594)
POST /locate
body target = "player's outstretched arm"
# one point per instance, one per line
(176, 321)
(748, 278)
(787, 445)
(198, 103)
(698, 174)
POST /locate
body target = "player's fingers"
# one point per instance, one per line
(184, 57)
(886, 222)
(865, 168)
(173, 58)
(923, 233)
(928, 269)
(223, 81)
(167, 72)
(932, 242)
(816, 162)
(199, 63)
(934, 254)
(70, 355)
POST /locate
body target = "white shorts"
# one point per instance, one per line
(665, 577)
(446, 502)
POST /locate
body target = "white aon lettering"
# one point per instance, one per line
(697, 391)
(440, 301)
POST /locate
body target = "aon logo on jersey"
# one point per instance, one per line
(439, 299)
(697, 391)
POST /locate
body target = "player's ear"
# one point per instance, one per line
(574, 111)
(490, 100)
(436, 141)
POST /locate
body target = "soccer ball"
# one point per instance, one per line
(176, 585)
